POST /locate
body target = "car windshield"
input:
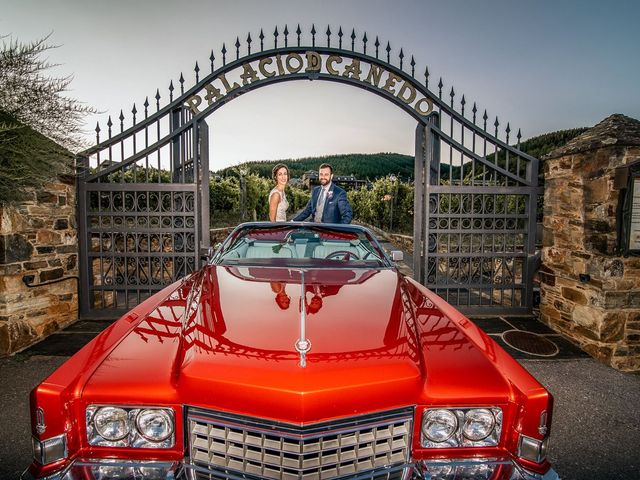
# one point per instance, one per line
(297, 245)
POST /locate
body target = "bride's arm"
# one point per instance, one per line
(273, 205)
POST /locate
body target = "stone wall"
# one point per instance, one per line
(38, 244)
(589, 293)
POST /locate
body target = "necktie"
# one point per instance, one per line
(320, 206)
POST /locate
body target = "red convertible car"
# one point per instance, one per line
(298, 352)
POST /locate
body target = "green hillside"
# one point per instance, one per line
(362, 165)
(377, 165)
(536, 147)
(542, 144)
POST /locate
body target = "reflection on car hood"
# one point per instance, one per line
(377, 342)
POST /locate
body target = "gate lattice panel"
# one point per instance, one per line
(478, 214)
(141, 211)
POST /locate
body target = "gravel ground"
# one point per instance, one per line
(596, 420)
(19, 375)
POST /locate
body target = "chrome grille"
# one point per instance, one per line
(256, 448)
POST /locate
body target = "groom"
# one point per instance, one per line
(328, 202)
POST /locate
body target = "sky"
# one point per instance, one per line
(540, 65)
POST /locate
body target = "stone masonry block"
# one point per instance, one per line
(574, 295)
(35, 265)
(634, 299)
(61, 224)
(612, 328)
(616, 300)
(53, 274)
(48, 237)
(627, 363)
(602, 353)
(588, 317)
(14, 248)
(598, 190)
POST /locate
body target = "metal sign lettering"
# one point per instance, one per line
(313, 64)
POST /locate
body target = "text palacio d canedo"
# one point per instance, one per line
(314, 64)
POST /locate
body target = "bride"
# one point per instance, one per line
(278, 203)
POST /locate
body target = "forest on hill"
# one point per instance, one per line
(378, 165)
(362, 165)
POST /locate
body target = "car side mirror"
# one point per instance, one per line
(209, 255)
(397, 255)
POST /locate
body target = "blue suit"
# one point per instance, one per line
(336, 206)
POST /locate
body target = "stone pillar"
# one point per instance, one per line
(38, 244)
(589, 293)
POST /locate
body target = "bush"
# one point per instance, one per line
(39, 125)
(376, 205)
(225, 198)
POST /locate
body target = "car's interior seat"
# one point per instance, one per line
(268, 250)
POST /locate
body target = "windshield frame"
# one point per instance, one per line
(384, 262)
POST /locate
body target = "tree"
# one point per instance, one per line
(39, 125)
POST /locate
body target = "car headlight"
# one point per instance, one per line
(112, 423)
(461, 427)
(116, 426)
(154, 425)
(478, 424)
(439, 425)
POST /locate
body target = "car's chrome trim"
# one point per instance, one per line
(303, 345)
(81, 468)
(258, 448)
(396, 472)
(295, 429)
(408, 471)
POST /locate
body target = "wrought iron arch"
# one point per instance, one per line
(313, 75)
(143, 191)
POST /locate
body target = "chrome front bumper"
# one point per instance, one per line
(449, 469)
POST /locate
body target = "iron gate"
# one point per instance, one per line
(143, 210)
(475, 225)
(143, 193)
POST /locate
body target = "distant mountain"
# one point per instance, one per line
(362, 165)
(542, 144)
(374, 165)
(536, 147)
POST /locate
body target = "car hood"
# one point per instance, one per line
(226, 340)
